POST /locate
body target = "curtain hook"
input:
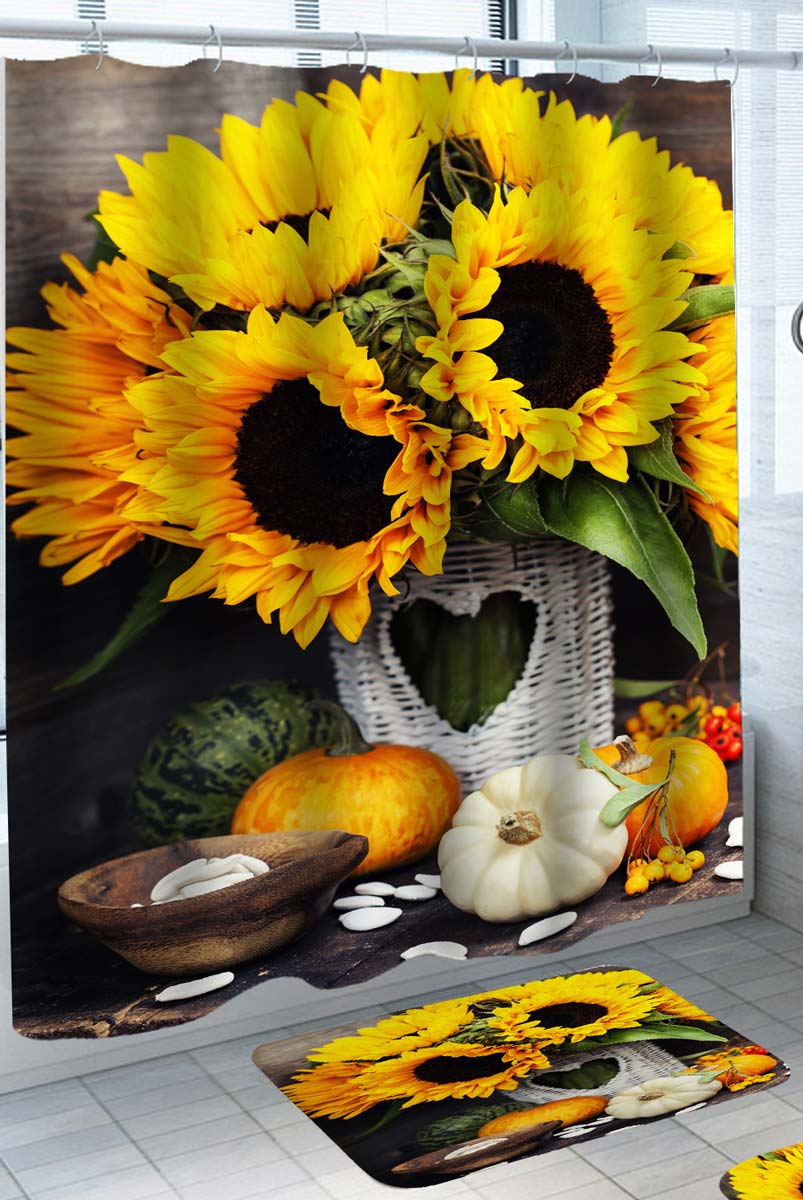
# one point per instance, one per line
(468, 45)
(644, 58)
(656, 54)
(728, 57)
(569, 49)
(96, 32)
(795, 59)
(359, 43)
(797, 333)
(214, 36)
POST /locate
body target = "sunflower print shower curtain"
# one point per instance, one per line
(283, 345)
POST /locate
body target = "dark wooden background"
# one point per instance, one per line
(72, 754)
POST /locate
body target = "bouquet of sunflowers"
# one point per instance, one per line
(437, 309)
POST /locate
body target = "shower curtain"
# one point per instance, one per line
(373, 506)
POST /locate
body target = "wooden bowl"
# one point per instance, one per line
(220, 929)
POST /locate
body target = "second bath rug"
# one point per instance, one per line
(770, 1176)
(436, 1092)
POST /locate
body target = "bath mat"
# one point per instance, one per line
(769, 1176)
(435, 1092)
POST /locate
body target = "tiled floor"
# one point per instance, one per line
(206, 1125)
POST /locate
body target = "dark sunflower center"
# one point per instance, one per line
(557, 340)
(459, 1070)
(569, 1016)
(299, 223)
(306, 474)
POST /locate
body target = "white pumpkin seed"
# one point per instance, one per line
(429, 880)
(546, 928)
(474, 1148)
(439, 949)
(415, 891)
(375, 889)
(731, 870)
(256, 866)
(369, 918)
(736, 832)
(190, 872)
(205, 886)
(194, 987)
(136, 906)
(349, 902)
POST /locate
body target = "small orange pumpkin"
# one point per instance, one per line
(402, 798)
(698, 790)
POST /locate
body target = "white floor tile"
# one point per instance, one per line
(756, 1141)
(81, 1168)
(198, 1137)
(64, 1147)
(8, 1185)
(143, 1077)
(685, 1168)
(152, 1101)
(183, 1116)
(218, 1162)
(37, 1129)
(256, 1180)
(136, 1183)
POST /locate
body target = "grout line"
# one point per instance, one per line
(23, 1190)
(167, 1184)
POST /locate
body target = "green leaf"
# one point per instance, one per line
(517, 510)
(104, 249)
(703, 304)
(144, 613)
(637, 689)
(658, 458)
(624, 522)
(591, 1076)
(680, 250)
(648, 1033)
(630, 793)
(619, 119)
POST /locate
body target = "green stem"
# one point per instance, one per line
(348, 738)
(390, 1114)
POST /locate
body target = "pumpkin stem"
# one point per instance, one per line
(519, 828)
(348, 738)
(630, 760)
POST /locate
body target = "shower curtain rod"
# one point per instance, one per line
(363, 45)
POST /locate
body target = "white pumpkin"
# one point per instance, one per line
(530, 841)
(656, 1097)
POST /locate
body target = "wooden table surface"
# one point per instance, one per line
(68, 985)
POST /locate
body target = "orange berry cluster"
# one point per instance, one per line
(671, 862)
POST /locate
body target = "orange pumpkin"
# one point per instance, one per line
(402, 798)
(697, 794)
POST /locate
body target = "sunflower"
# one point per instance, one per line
(571, 303)
(290, 212)
(450, 1071)
(527, 137)
(571, 1008)
(331, 1090)
(299, 473)
(411, 1030)
(778, 1176)
(705, 432)
(672, 1005)
(67, 394)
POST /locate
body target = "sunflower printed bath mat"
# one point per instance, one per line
(436, 1092)
(771, 1176)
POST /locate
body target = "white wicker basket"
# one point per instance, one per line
(565, 691)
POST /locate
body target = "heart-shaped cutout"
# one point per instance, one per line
(465, 666)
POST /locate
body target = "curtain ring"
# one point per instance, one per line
(569, 49)
(797, 332)
(214, 36)
(96, 32)
(656, 54)
(728, 57)
(359, 43)
(468, 45)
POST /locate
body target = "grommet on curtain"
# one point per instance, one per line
(96, 32)
(359, 43)
(797, 331)
(569, 49)
(728, 57)
(214, 36)
(468, 45)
